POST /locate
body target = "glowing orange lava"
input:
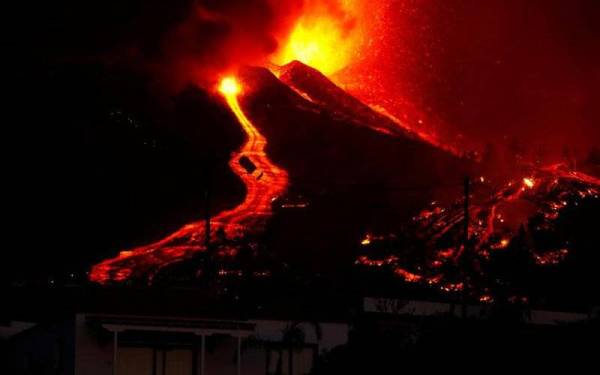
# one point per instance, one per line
(263, 184)
(549, 190)
(229, 86)
(327, 36)
(529, 182)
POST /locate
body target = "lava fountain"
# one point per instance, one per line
(264, 182)
(339, 39)
(328, 36)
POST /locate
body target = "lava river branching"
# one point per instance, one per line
(264, 182)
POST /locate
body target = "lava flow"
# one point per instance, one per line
(520, 208)
(264, 181)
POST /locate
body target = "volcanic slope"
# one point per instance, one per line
(345, 179)
(346, 176)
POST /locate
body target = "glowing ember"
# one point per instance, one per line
(503, 244)
(529, 182)
(365, 261)
(452, 287)
(408, 276)
(551, 257)
(264, 184)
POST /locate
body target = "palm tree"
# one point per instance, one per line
(294, 338)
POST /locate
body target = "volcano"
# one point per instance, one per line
(341, 178)
(343, 160)
(315, 86)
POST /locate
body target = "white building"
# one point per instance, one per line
(93, 344)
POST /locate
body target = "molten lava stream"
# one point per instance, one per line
(264, 184)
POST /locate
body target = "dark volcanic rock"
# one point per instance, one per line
(323, 91)
(354, 178)
(100, 163)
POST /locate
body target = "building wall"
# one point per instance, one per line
(425, 308)
(93, 355)
(43, 349)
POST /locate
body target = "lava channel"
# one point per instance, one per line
(264, 182)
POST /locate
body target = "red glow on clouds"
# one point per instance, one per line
(328, 36)
(344, 40)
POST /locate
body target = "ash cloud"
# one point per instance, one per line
(216, 37)
(180, 39)
(176, 42)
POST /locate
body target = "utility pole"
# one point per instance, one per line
(467, 186)
(207, 188)
(207, 218)
(209, 261)
(466, 213)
